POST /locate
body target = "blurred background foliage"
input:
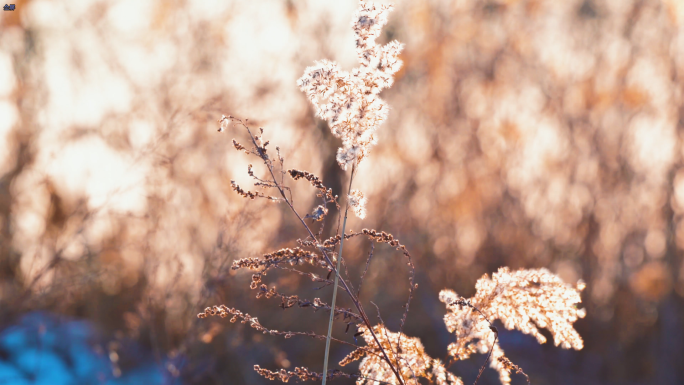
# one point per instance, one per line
(522, 133)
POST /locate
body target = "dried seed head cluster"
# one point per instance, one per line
(302, 374)
(251, 195)
(511, 367)
(283, 259)
(349, 101)
(224, 311)
(358, 203)
(294, 256)
(524, 300)
(323, 192)
(442, 377)
(406, 353)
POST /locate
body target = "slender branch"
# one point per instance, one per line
(496, 336)
(337, 276)
(224, 312)
(464, 302)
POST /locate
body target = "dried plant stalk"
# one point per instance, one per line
(325, 248)
(337, 278)
(350, 104)
(524, 299)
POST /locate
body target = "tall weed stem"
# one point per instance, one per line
(337, 276)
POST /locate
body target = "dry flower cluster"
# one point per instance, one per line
(521, 300)
(358, 203)
(525, 300)
(349, 101)
(406, 353)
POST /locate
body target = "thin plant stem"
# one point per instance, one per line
(496, 337)
(337, 276)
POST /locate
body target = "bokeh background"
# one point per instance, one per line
(522, 133)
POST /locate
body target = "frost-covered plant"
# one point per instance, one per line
(350, 101)
(351, 105)
(525, 299)
(406, 353)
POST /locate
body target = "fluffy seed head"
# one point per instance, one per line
(350, 101)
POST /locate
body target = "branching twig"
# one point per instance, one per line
(260, 150)
(464, 302)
